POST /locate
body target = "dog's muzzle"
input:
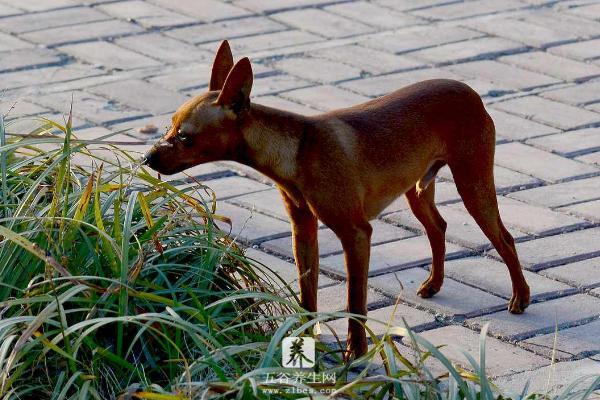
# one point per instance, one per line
(150, 158)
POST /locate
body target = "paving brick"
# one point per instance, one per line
(325, 97)
(7, 11)
(392, 256)
(142, 95)
(462, 229)
(20, 108)
(583, 274)
(96, 132)
(97, 76)
(269, 41)
(502, 75)
(570, 143)
(589, 210)
(267, 202)
(445, 192)
(594, 107)
(523, 31)
(108, 55)
(516, 128)
(585, 50)
(41, 5)
(333, 299)
(145, 14)
(322, 23)
(8, 43)
(405, 5)
(591, 11)
(284, 269)
(501, 358)
(374, 15)
(189, 77)
(561, 194)
(232, 186)
(370, 60)
(29, 58)
(273, 84)
(132, 128)
(206, 10)
(158, 46)
(561, 374)
(559, 249)
(485, 88)
(540, 317)
(402, 42)
(454, 299)
(536, 220)
(549, 112)
(106, 150)
(492, 276)
(558, 67)
(270, 6)
(27, 125)
(41, 76)
(464, 10)
(593, 158)
(330, 244)
(281, 103)
(51, 19)
(225, 30)
(581, 94)
(380, 319)
(532, 161)
(582, 27)
(88, 31)
(487, 47)
(91, 107)
(380, 85)
(250, 226)
(317, 69)
(506, 180)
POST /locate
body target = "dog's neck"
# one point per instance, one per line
(271, 141)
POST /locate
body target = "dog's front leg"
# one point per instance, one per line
(356, 241)
(306, 251)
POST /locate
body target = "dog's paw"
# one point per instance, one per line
(518, 303)
(429, 289)
(357, 344)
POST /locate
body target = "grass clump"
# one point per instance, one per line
(110, 277)
(114, 284)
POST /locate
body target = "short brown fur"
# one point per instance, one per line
(345, 166)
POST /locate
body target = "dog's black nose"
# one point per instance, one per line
(149, 158)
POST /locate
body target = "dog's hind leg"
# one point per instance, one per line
(422, 204)
(474, 178)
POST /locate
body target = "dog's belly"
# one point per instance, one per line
(377, 200)
(374, 207)
(388, 189)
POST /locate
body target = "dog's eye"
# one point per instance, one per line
(185, 139)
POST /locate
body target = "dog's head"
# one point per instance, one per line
(206, 127)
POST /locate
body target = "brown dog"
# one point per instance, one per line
(344, 167)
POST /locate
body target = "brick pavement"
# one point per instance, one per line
(535, 62)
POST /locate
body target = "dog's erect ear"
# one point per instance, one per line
(236, 91)
(221, 66)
